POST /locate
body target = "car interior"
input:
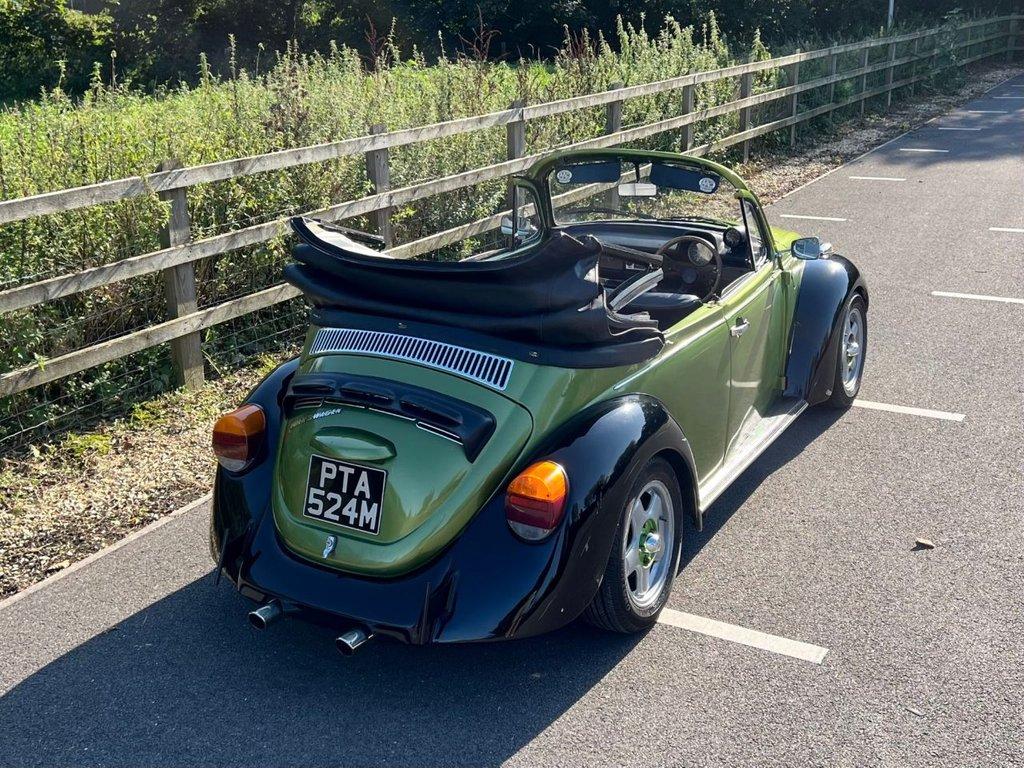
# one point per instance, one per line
(697, 260)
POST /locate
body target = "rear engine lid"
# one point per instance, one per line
(382, 462)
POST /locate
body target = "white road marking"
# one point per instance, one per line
(985, 111)
(155, 525)
(751, 637)
(921, 149)
(877, 178)
(908, 411)
(945, 128)
(1008, 97)
(977, 297)
(1016, 230)
(893, 140)
(810, 218)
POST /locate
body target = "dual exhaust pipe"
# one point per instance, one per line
(347, 643)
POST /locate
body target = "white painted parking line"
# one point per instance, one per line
(945, 128)
(985, 112)
(809, 218)
(977, 297)
(712, 628)
(877, 178)
(1008, 98)
(1015, 230)
(908, 411)
(921, 149)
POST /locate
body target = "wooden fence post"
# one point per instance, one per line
(180, 287)
(889, 75)
(1011, 40)
(613, 124)
(746, 88)
(864, 78)
(515, 147)
(687, 109)
(913, 66)
(793, 78)
(378, 170)
(833, 68)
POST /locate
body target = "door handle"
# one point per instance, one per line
(740, 327)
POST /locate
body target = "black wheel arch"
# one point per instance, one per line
(826, 288)
(602, 450)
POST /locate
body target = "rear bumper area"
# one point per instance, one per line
(487, 586)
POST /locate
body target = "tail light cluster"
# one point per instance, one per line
(238, 435)
(535, 500)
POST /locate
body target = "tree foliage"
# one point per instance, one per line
(154, 42)
(44, 45)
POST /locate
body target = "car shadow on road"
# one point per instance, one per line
(804, 431)
(187, 682)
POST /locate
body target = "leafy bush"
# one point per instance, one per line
(44, 45)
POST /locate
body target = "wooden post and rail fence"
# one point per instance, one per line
(176, 259)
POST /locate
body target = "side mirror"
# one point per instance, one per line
(810, 248)
(525, 229)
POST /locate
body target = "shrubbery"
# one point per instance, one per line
(44, 45)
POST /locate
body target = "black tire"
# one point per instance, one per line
(843, 394)
(612, 607)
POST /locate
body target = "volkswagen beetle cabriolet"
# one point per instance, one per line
(490, 447)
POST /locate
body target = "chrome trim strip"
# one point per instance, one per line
(482, 367)
(734, 466)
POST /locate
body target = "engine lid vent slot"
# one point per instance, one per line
(482, 367)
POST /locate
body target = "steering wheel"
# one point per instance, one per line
(697, 267)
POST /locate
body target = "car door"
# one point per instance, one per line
(691, 376)
(754, 313)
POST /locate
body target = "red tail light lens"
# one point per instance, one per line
(237, 436)
(535, 500)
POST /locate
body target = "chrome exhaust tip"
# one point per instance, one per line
(351, 641)
(266, 615)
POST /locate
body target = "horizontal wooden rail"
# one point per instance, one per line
(114, 349)
(31, 294)
(25, 296)
(122, 189)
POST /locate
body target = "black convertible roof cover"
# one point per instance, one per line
(545, 305)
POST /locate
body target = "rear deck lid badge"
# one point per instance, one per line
(329, 545)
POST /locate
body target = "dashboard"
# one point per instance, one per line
(729, 242)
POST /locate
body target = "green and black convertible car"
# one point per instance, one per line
(492, 447)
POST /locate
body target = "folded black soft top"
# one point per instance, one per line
(550, 296)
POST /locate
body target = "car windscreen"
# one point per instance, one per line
(624, 188)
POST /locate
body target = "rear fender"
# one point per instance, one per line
(240, 499)
(602, 450)
(827, 286)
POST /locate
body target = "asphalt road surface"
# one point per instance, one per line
(137, 659)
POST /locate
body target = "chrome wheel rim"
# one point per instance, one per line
(648, 542)
(853, 350)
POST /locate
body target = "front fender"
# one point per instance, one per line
(827, 285)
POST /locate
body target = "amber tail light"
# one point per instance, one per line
(237, 436)
(535, 500)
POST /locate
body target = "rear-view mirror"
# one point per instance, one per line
(638, 189)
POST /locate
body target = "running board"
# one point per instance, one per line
(784, 412)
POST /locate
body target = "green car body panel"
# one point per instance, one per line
(713, 385)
